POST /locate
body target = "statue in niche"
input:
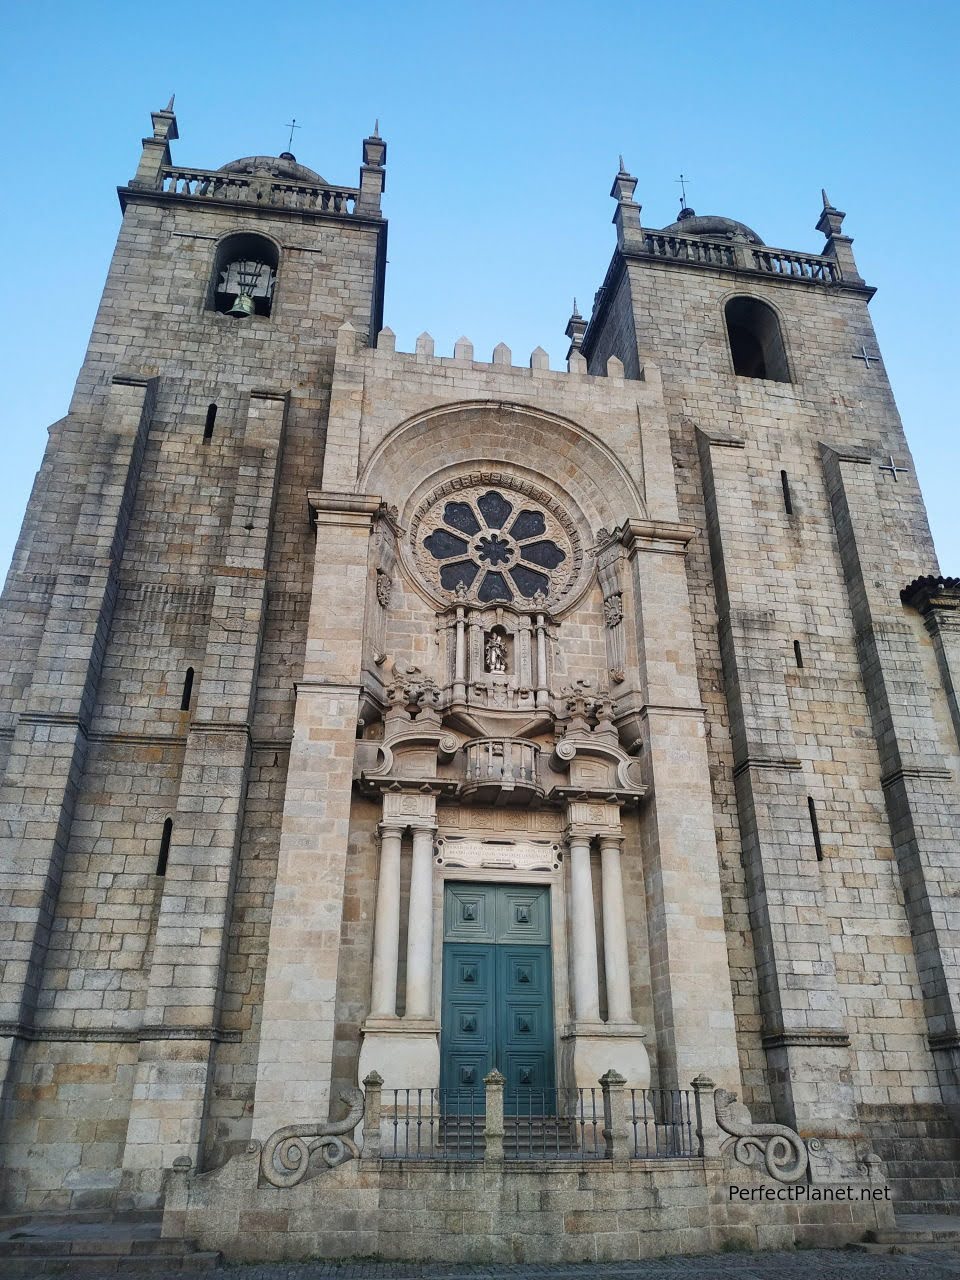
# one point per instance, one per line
(495, 652)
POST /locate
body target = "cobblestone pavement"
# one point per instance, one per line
(833, 1264)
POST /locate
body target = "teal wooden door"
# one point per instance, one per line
(497, 1007)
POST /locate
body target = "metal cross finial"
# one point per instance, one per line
(862, 355)
(291, 126)
(892, 467)
(683, 190)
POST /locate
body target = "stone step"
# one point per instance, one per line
(97, 1267)
(926, 1188)
(71, 1217)
(918, 1167)
(914, 1232)
(928, 1148)
(925, 1207)
(87, 1243)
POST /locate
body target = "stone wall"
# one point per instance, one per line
(503, 1212)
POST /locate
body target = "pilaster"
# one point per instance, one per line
(48, 753)
(921, 792)
(804, 1035)
(299, 1003)
(690, 975)
(186, 973)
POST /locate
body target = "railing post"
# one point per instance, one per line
(616, 1120)
(372, 1104)
(708, 1131)
(493, 1122)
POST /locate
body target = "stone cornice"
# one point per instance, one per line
(343, 508)
(150, 195)
(117, 1035)
(932, 592)
(758, 761)
(826, 1037)
(664, 536)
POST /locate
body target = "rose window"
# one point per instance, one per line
(496, 546)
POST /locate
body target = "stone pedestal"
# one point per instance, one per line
(404, 1051)
(590, 1049)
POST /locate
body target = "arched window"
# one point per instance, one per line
(244, 276)
(755, 341)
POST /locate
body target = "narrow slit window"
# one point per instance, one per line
(187, 690)
(787, 500)
(211, 419)
(815, 828)
(798, 653)
(164, 847)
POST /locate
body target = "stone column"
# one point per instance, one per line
(586, 976)
(386, 929)
(420, 926)
(592, 1047)
(616, 962)
(543, 692)
(460, 658)
(405, 1051)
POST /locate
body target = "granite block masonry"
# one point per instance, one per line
(428, 720)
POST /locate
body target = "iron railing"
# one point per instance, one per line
(664, 1125)
(538, 1125)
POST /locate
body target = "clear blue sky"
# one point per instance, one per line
(504, 122)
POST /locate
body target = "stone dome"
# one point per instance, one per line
(689, 224)
(281, 166)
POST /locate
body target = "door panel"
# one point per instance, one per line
(524, 1018)
(468, 1019)
(470, 913)
(523, 915)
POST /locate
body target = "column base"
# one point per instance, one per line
(404, 1051)
(589, 1049)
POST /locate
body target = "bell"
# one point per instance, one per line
(242, 307)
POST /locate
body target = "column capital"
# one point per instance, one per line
(611, 840)
(391, 828)
(422, 824)
(574, 833)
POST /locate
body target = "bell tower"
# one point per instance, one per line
(146, 645)
(792, 459)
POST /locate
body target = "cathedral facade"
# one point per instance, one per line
(378, 725)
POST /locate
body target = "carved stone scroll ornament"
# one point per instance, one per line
(782, 1150)
(287, 1154)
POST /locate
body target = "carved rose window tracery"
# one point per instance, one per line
(497, 545)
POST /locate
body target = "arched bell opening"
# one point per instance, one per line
(756, 343)
(244, 276)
